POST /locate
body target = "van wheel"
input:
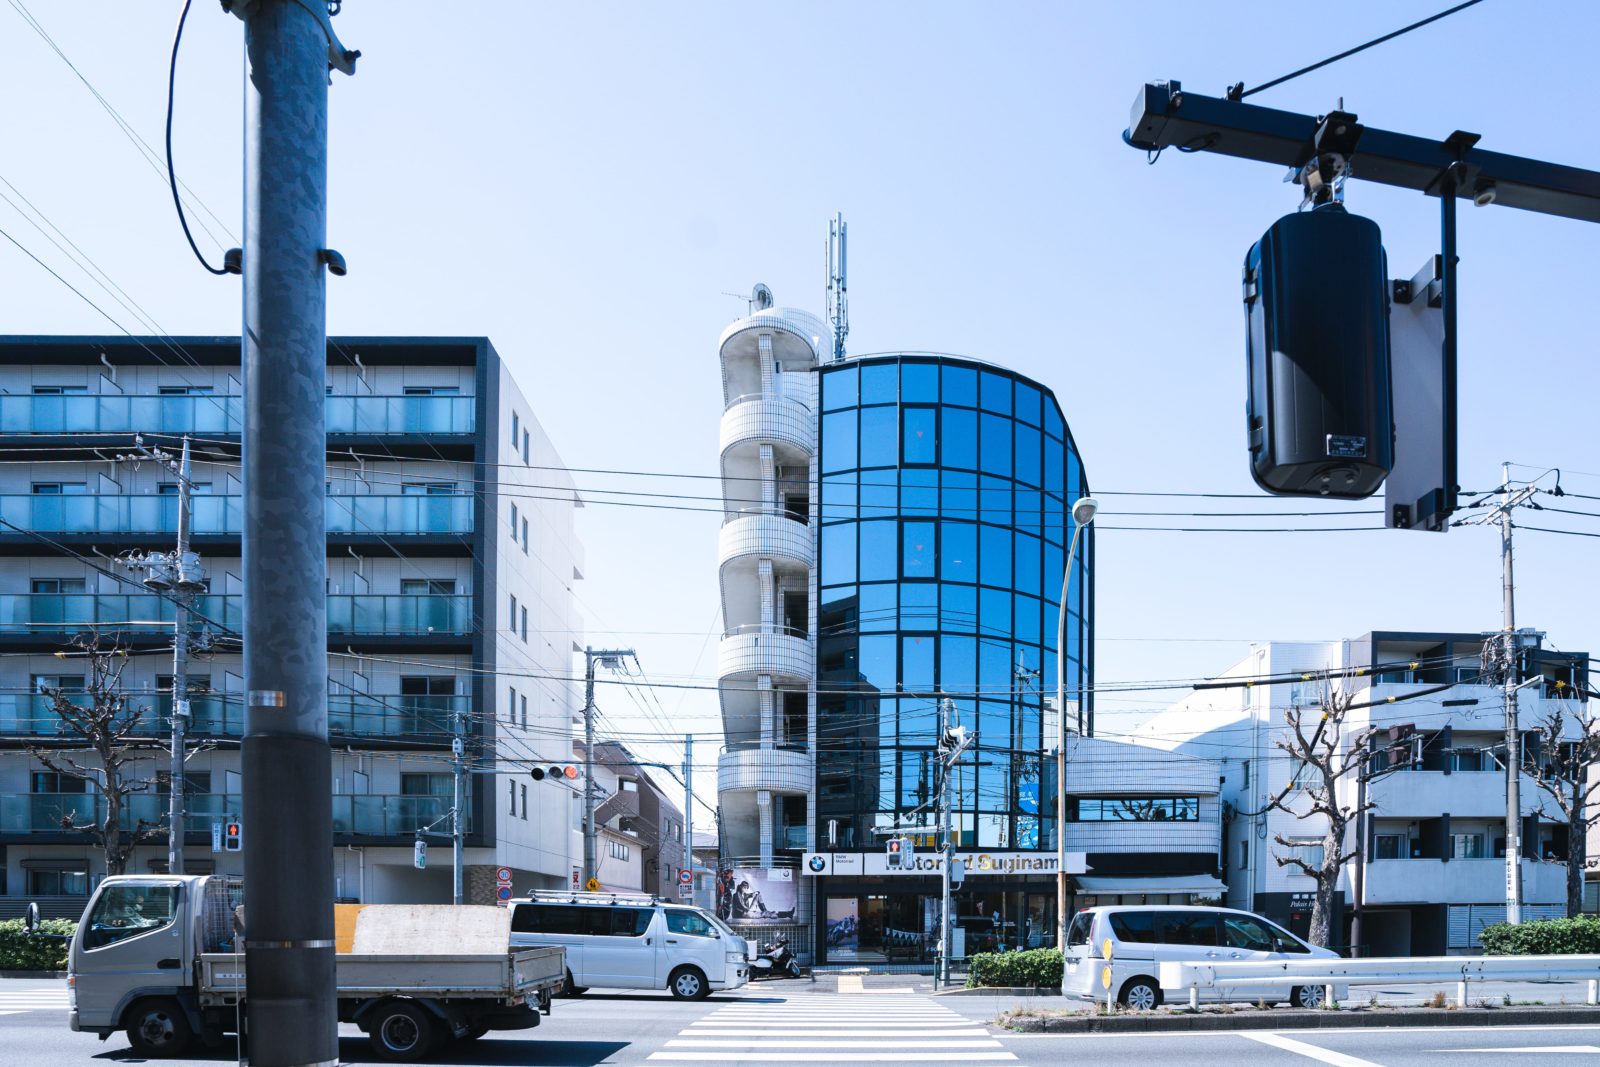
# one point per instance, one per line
(1140, 994)
(401, 1032)
(687, 983)
(1306, 996)
(158, 1029)
(569, 988)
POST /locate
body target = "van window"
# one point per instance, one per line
(126, 910)
(689, 922)
(1286, 942)
(1241, 931)
(571, 920)
(1188, 928)
(1078, 932)
(1134, 927)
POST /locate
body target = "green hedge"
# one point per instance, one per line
(1033, 967)
(21, 952)
(1543, 937)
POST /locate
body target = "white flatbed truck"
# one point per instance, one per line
(154, 957)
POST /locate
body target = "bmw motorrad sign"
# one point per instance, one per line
(978, 864)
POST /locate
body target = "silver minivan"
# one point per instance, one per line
(1145, 936)
(634, 943)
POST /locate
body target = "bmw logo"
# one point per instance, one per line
(817, 863)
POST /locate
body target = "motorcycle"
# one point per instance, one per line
(775, 961)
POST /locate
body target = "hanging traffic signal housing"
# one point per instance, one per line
(1320, 413)
(539, 774)
(233, 836)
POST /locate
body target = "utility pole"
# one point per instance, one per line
(612, 659)
(177, 574)
(291, 1000)
(953, 741)
(458, 752)
(688, 807)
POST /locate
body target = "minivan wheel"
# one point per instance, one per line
(1307, 996)
(158, 1029)
(1140, 994)
(402, 1032)
(687, 983)
(569, 988)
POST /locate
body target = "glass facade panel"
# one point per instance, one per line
(943, 500)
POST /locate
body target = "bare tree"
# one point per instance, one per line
(1562, 767)
(109, 726)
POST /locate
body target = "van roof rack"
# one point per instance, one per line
(559, 896)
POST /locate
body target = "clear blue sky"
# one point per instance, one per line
(583, 182)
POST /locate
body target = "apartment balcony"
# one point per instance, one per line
(388, 514)
(54, 813)
(770, 419)
(392, 814)
(367, 614)
(779, 768)
(413, 719)
(380, 416)
(759, 533)
(784, 652)
(1427, 794)
(1460, 881)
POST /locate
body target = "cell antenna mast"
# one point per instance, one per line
(838, 299)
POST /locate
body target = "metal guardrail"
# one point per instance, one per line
(1401, 970)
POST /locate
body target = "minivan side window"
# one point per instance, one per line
(569, 920)
(1188, 928)
(1241, 931)
(1134, 927)
(1078, 932)
(1286, 942)
(689, 922)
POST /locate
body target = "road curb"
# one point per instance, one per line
(1301, 1020)
(1001, 991)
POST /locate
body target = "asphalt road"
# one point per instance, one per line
(768, 1025)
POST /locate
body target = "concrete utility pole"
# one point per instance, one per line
(458, 752)
(953, 741)
(611, 658)
(291, 1002)
(688, 806)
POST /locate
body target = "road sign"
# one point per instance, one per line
(502, 874)
(592, 885)
(216, 837)
(686, 877)
(1105, 977)
(1105, 950)
(503, 893)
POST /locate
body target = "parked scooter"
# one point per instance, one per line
(775, 961)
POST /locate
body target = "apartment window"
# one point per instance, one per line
(627, 785)
(1390, 847)
(524, 537)
(525, 450)
(427, 488)
(428, 586)
(1306, 776)
(1244, 855)
(524, 788)
(58, 585)
(1133, 809)
(524, 711)
(513, 613)
(1466, 846)
(60, 390)
(1246, 782)
(618, 850)
(432, 390)
(524, 625)
(511, 788)
(516, 429)
(67, 683)
(60, 488)
(183, 390)
(427, 784)
(511, 703)
(171, 488)
(1307, 852)
(58, 883)
(56, 782)
(513, 522)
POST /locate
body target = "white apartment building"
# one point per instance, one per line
(1432, 863)
(450, 562)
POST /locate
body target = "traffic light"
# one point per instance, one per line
(419, 854)
(233, 836)
(896, 852)
(539, 774)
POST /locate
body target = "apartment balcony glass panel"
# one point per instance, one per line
(408, 715)
(118, 413)
(390, 814)
(381, 415)
(54, 813)
(23, 613)
(386, 513)
(399, 613)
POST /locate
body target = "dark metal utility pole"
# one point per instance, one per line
(291, 1004)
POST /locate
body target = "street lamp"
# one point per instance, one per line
(1082, 514)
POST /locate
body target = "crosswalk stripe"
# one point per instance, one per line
(837, 1057)
(761, 1046)
(824, 1031)
(806, 1021)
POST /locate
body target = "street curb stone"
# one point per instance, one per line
(1302, 1020)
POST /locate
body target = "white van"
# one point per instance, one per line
(633, 943)
(1144, 937)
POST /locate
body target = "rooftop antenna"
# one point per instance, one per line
(838, 299)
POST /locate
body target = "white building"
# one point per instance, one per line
(451, 555)
(1432, 864)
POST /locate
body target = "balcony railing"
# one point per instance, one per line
(222, 715)
(366, 814)
(387, 513)
(398, 614)
(224, 414)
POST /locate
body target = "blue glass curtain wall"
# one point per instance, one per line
(944, 497)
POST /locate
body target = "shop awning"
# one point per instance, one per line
(1167, 883)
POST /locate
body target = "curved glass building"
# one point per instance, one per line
(944, 487)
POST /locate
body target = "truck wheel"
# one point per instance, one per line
(474, 1031)
(687, 983)
(402, 1032)
(158, 1029)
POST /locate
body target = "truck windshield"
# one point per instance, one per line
(126, 910)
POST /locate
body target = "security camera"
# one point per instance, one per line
(1485, 194)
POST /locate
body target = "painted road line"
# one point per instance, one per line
(1575, 1050)
(839, 1057)
(762, 1045)
(824, 1031)
(1300, 1048)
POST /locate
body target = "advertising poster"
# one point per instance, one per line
(844, 936)
(756, 896)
